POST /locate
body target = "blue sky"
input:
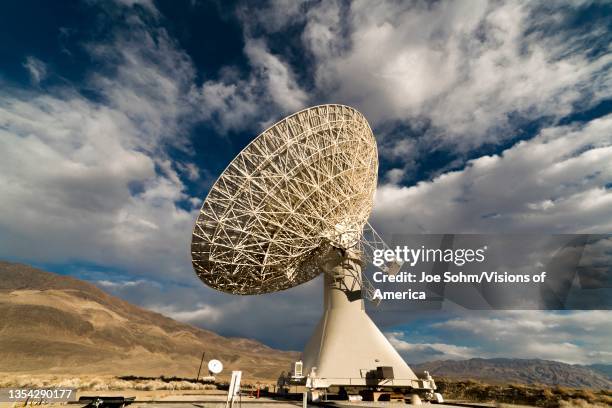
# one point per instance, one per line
(491, 117)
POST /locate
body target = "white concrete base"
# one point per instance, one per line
(346, 347)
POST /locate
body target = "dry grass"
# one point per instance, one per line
(473, 391)
(534, 395)
(102, 383)
(580, 403)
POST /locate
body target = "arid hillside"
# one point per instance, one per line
(53, 324)
(518, 371)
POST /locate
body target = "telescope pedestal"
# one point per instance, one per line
(346, 348)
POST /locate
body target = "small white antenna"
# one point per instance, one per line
(215, 367)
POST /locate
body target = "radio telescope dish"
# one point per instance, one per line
(307, 181)
(215, 366)
(292, 205)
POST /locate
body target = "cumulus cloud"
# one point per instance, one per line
(36, 68)
(420, 352)
(148, 78)
(202, 312)
(578, 337)
(273, 15)
(235, 102)
(90, 180)
(470, 70)
(119, 284)
(553, 183)
(277, 77)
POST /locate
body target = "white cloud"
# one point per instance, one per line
(577, 337)
(120, 284)
(202, 312)
(278, 79)
(394, 176)
(573, 337)
(148, 5)
(273, 15)
(91, 181)
(463, 67)
(36, 68)
(150, 84)
(553, 183)
(231, 105)
(419, 352)
(237, 103)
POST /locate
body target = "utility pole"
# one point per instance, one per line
(199, 369)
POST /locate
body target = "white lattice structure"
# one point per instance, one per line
(292, 205)
(306, 181)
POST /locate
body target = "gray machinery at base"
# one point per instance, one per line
(293, 205)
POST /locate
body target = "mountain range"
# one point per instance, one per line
(523, 371)
(55, 324)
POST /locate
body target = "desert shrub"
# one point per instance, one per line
(580, 403)
(103, 383)
(534, 395)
